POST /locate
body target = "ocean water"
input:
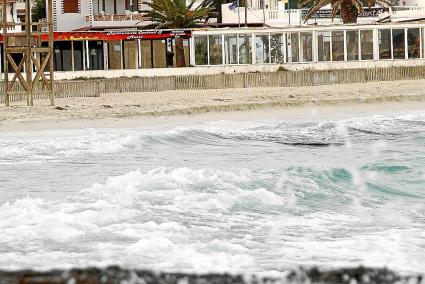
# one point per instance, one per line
(258, 196)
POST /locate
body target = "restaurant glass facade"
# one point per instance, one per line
(238, 47)
(131, 54)
(318, 45)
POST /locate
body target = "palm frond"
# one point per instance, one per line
(176, 14)
(354, 6)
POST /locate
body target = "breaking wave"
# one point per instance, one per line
(222, 196)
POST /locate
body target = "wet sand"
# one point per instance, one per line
(144, 108)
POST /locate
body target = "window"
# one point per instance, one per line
(324, 45)
(132, 5)
(245, 55)
(70, 6)
(276, 48)
(306, 41)
(352, 45)
(95, 55)
(413, 43)
(292, 47)
(366, 45)
(63, 56)
(384, 37)
(215, 49)
(78, 55)
(201, 50)
(231, 49)
(262, 49)
(337, 46)
(398, 44)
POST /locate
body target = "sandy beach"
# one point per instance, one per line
(111, 110)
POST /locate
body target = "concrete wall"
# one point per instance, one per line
(235, 69)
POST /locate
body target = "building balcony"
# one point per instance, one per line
(117, 18)
(128, 19)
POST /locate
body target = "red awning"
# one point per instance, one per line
(115, 35)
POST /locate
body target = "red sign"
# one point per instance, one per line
(115, 35)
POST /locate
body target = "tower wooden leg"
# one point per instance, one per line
(6, 100)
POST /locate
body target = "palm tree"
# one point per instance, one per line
(176, 14)
(348, 9)
(38, 10)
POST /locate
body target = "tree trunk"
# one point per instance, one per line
(349, 12)
(180, 59)
(218, 10)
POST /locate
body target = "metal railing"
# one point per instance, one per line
(117, 17)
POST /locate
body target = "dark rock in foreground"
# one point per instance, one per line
(115, 275)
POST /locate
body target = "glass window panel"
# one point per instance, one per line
(337, 46)
(159, 48)
(216, 57)
(352, 45)
(78, 55)
(366, 45)
(262, 49)
(398, 44)
(307, 47)
(324, 46)
(231, 49)
(96, 55)
(276, 48)
(186, 49)
(67, 59)
(201, 50)
(292, 47)
(171, 57)
(57, 59)
(130, 54)
(147, 54)
(170, 54)
(413, 43)
(422, 42)
(384, 40)
(245, 55)
(63, 56)
(114, 54)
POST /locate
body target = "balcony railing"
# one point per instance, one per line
(117, 18)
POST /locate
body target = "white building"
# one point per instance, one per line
(275, 13)
(72, 15)
(12, 9)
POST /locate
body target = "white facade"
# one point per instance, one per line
(98, 13)
(274, 14)
(315, 46)
(12, 8)
(70, 21)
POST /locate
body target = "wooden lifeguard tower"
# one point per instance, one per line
(24, 52)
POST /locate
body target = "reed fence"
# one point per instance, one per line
(63, 89)
(95, 87)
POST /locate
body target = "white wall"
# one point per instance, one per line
(233, 69)
(420, 3)
(231, 16)
(109, 7)
(11, 17)
(70, 21)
